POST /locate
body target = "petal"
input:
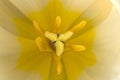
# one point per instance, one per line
(26, 6)
(76, 62)
(107, 49)
(47, 14)
(77, 5)
(32, 60)
(9, 52)
(53, 71)
(116, 4)
(96, 13)
(107, 38)
(13, 21)
(9, 44)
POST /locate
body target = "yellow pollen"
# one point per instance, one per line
(58, 23)
(78, 47)
(79, 26)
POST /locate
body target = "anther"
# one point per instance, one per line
(37, 27)
(79, 26)
(78, 47)
(58, 23)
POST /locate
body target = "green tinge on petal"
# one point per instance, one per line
(32, 60)
(46, 17)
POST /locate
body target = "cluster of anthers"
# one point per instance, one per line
(57, 40)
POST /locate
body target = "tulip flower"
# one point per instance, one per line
(59, 40)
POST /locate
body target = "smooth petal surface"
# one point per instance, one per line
(26, 6)
(13, 21)
(9, 52)
(107, 49)
(116, 4)
(77, 61)
(94, 15)
(77, 5)
(46, 15)
(33, 60)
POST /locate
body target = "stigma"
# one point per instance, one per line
(58, 40)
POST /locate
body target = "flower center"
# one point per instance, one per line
(57, 40)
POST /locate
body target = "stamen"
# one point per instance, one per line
(51, 36)
(59, 67)
(41, 45)
(58, 23)
(78, 47)
(38, 29)
(66, 36)
(79, 26)
(59, 48)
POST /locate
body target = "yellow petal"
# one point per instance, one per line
(13, 21)
(77, 61)
(33, 60)
(53, 70)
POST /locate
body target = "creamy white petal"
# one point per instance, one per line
(116, 4)
(9, 72)
(9, 44)
(107, 49)
(10, 50)
(13, 21)
(77, 5)
(107, 42)
(27, 6)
